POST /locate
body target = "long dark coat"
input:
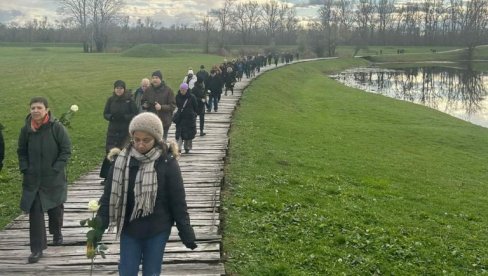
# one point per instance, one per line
(186, 128)
(199, 92)
(43, 156)
(119, 111)
(165, 97)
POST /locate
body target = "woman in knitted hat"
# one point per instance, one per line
(186, 123)
(144, 196)
(120, 108)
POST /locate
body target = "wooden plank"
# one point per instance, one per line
(203, 172)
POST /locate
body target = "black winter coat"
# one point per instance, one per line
(201, 95)
(214, 84)
(119, 111)
(43, 156)
(186, 128)
(170, 205)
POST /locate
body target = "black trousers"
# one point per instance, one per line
(37, 225)
(201, 116)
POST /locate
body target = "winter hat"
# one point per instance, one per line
(119, 83)
(202, 67)
(149, 123)
(158, 74)
(190, 72)
(184, 86)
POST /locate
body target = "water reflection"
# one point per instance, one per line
(458, 92)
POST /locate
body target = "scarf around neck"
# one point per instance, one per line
(36, 126)
(145, 187)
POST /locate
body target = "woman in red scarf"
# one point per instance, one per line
(44, 150)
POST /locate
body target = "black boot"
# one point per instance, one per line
(34, 257)
(57, 240)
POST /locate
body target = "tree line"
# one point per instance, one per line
(391, 22)
(97, 25)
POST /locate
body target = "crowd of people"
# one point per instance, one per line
(143, 193)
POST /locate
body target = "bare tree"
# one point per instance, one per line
(223, 17)
(206, 26)
(93, 17)
(291, 24)
(270, 20)
(365, 21)
(104, 12)
(386, 11)
(474, 23)
(345, 10)
(245, 17)
(431, 13)
(78, 11)
(330, 22)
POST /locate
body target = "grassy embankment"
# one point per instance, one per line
(323, 179)
(65, 76)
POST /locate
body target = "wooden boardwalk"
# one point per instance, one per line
(203, 175)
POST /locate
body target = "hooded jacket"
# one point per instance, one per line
(43, 156)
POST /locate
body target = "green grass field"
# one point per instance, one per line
(65, 76)
(323, 179)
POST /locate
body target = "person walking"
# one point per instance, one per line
(201, 95)
(144, 197)
(229, 80)
(44, 149)
(214, 85)
(186, 128)
(160, 99)
(202, 73)
(119, 110)
(145, 83)
(190, 79)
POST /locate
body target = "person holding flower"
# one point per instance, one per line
(144, 196)
(43, 151)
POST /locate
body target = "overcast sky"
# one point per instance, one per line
(168, 12)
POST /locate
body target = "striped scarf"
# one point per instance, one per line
(145, 188)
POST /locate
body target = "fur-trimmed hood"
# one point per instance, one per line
(172, 145)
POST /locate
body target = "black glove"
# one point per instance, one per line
(191, 245)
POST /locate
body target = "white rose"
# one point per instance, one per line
(93, 205)
(74, 108)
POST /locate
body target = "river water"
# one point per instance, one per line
(456, 91)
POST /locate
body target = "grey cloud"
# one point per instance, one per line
(8, 15)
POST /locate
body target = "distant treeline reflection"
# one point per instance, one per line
(443, 88)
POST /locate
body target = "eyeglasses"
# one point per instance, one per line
(145, 141)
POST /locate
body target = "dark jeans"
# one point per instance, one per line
(149, 252)
(213, 99)
(37, 225)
